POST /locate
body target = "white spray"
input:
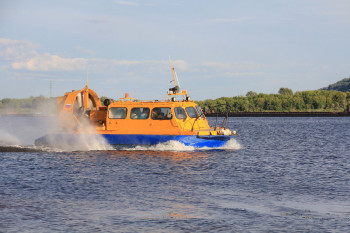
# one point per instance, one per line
(232, 144)
(22, 131)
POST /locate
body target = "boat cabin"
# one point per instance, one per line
(151, 117)
(129, 116)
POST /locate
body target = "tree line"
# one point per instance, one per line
(342, 85)
(27, 105)
(284, 101)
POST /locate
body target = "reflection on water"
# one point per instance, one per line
(287, 176)
(167, 155)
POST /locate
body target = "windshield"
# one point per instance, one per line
(200, 111)
(191, 111)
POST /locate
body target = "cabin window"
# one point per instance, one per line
(117, 113)
(191, 111)
(180, 113)
(200, 111)
(139, 113)
(161, 114)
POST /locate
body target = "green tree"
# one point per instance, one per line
(285, 91)
(319, 100)
(342, 85)
(299, 103)
(259, 103)
(6, 101)
(251, 93)
(221, 105)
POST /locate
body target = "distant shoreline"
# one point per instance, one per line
(281, 114)
(26, 114)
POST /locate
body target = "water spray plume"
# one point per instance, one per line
(7, 139)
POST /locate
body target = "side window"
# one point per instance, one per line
(191, 111)
(200, 111)
(117, 113)
(180, 113)
(161, 114)
(139, 113)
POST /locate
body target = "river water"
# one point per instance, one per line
(279, 175)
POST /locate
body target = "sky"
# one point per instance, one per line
(218, 48)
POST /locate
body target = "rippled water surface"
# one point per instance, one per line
(282, 174)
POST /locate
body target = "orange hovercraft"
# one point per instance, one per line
(128, 121)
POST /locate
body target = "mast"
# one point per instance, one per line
(86, 93)
(172, 71)
(50, 88)
(176, 90)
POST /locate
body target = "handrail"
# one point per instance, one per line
(224, 122)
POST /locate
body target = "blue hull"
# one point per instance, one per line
(188, 140)
(54, 140)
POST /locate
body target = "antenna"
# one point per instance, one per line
(177, 79)
(172, 71)
(50, 88)
(85, 92)
(87, 78)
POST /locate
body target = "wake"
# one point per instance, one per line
(232, 144)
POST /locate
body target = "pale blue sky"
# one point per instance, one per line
(219, 48)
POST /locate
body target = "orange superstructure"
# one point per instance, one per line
(73, 105)
(135, 117)
(166, 124)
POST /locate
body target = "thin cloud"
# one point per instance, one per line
(151, 64)
(22, 55)
(127, 3)
(48, 62)
(338, 10)
(229, 20)
(85, 50)
(250, 20)
(230, 66)
(237, 74)
(11, 50)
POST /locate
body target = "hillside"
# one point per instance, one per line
(342, 85)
